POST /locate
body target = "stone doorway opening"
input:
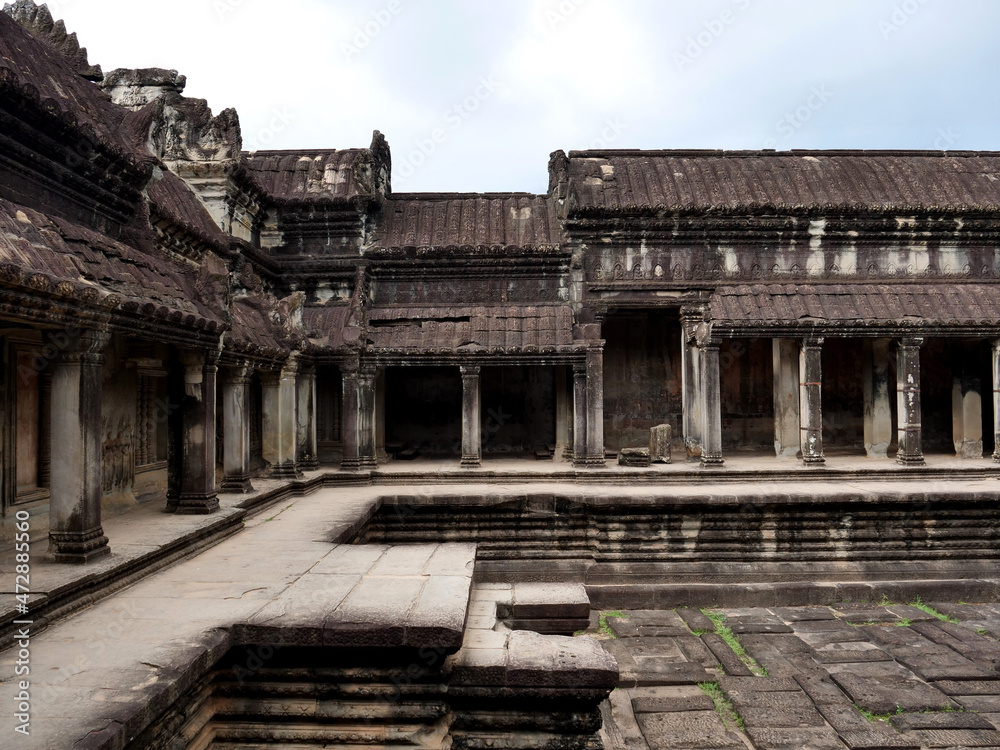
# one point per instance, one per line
(423, 410)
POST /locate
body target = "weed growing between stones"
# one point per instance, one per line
(874, 717)
(723, 707)
(724, 632)
(602, 623)
(931, 611)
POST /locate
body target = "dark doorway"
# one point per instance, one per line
(518, 409)
(423, 409)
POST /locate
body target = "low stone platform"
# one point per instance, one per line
(280, 617)
(854, 677)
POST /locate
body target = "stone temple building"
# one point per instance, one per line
(181, 315)
(180, 318)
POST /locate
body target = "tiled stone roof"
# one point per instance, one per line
(863, 304)
(753, 181)
(53, 256)
(469, 221)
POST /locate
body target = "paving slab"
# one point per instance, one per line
(945, 720)
(887, 694)
(731, 663)
(844, 717)
(873, 739)
(697, 730)
(670, 700)
(760, 684)
(968, 687)
(795, 739)
(803, 614)
(696, 619)
(953, 738)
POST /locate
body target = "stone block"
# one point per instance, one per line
(660, 439)
(634, 457)
(535, 660)
(560, 601)
(886, 694)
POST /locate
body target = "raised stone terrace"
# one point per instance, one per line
(279, 621)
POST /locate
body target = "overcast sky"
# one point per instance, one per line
(475, 95)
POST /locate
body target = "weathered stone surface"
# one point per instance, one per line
(876, 740)
(947, 720)
(553, 661)
(696, 619)
(760, 684)
(844, 717)
(636, 457)
(700, 730)
(794, 739)
(803, 614)
(887, 694)
(945, 738)
(652, 705)
(550, 601)
(730, 662)
(660, 439)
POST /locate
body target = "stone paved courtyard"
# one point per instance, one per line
(858, 676)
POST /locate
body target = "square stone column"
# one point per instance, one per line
(472, 449)
(306, 454)
(908, 411)
(811, 401)
(280, 423)
(380, 390)
(711, 405)
(198, 495)
(358, 424)
(786, 398)
(691, 318)
(75, 532)
(564, 440)
(236, 429)
(996, 400)
(878, 407)
(967, 402)
(580, 414)
(595, 406)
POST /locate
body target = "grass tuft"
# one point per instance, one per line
(723, 707)
(931, 611)
(602, 623)
(724, 632)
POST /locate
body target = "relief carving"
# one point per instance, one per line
(117, 456)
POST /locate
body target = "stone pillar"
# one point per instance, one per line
(580, 414)
(967, 401)
(472, 450)
(280, 424)
(380, 455)
(691, 381)
(811, 401)
(75, 533)
(711, 405)
(996, 400)
(564, 446)
(595, 406)
(305, 416)
(198, 495)
(358, 423)
(236, 429)
(908, 402)
(786, 398)
(878, 407)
